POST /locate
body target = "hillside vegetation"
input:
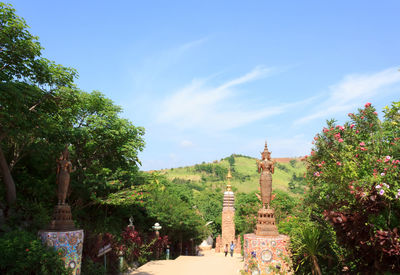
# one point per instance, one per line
(245, 177)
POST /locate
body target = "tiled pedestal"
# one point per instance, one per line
(266, 254)
(69, 243)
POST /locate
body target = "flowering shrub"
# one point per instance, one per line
(354, 179)
(23, 253)
(135, 248)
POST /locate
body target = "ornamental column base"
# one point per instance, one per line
(267, 254)
(68, 243)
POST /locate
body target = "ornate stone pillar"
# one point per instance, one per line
(228, 215)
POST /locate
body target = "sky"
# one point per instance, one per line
(207, 79)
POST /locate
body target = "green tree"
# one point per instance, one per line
(27, 80)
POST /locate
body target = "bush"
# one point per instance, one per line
(355, 184)
(22, 253)
(90, 267)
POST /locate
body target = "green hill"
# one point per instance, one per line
(244, 172)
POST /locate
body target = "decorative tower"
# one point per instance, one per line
(228, 214)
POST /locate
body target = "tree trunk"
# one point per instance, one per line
(8, 180)
(316, 266)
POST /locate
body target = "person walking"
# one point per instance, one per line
(226, 250)
(232, 248)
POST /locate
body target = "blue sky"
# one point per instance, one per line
(210, 78)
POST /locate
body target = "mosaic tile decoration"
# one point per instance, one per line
(268, 252)
(69, 243)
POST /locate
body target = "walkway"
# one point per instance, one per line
(209, 264)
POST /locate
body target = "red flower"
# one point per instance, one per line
(339, 163)
(27, 249)
(367, 105)
(340, 140)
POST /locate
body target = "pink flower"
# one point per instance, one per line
(337, 135)
(315, 138)
(352, 126)
(350, 114)
(363, 149)
(340, 140)
(316, 174)
(325, 130)
(362, 143)
(367, 105)
(357, 131)
(381, 192)
(356, 155)
(386, 185)
(312, 153)
(375, 113)
(338, 163)
(362, 117)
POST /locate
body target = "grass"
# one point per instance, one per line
(245, 176)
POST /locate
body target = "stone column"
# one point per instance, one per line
(228, 215)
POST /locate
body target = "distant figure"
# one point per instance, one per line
(232, 248)
(226, 250)
(167, 253)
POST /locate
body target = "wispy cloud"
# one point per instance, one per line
(347, 94)
(186, 143)
(192, 44)
(200, 105)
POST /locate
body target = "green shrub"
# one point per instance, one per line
(92, 268)
(23, 253)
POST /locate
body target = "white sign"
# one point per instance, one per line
(104, 250)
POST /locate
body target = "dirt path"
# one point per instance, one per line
(209, 264)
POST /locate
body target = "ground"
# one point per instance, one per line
(209, 264)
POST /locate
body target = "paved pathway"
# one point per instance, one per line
(209, 264)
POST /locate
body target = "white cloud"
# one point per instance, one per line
(210, 108)
(186, 143)
(347, 94)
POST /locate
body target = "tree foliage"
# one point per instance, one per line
(354, 178)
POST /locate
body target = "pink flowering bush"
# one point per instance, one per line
(354, 178)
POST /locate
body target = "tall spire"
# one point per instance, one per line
(229, 176)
